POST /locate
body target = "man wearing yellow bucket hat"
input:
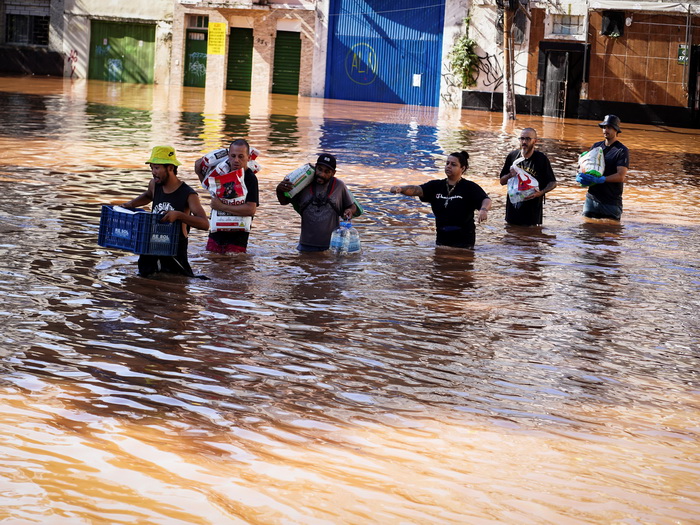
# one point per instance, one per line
(178, 202)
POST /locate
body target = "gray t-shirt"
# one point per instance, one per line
(320, 207)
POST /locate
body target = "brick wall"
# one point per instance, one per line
(642, 65)
(28, 7)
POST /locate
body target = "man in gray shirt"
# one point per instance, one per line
(320, 204)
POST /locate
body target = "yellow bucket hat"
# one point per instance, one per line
(163, 155)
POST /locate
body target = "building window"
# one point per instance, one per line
(567, 25)
(198, 21)
(26, 29)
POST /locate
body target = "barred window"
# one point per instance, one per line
(27, 29)
(198, 21)
(567, 25)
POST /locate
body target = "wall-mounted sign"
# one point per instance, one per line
(683, 55)
(361, 64)
(217, 38)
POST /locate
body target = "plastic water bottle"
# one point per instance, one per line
(345, 239)
(339, 240)
(353, 239)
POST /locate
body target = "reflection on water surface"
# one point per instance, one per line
(548, 376)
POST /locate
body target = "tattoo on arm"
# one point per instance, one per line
(412, 191)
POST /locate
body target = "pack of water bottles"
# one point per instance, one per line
(345, 239)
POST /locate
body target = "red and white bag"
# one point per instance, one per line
(230, 188)
(522, 185)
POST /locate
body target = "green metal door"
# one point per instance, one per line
(240, 59)
(122, 52)
(285, 74)
(196, 58)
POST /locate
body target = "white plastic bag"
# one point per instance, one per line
(592, 161)
(522, 185)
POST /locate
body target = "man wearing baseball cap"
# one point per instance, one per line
(320, 204)
(604, 197)
(178, 202)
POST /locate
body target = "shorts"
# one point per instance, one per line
(595, 209)
(213, 246)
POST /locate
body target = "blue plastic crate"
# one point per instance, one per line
(140, 232)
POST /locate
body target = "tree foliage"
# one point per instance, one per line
(464, 60)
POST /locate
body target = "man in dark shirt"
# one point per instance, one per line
(178, 202)
(604, 197)
(240, 199)
(535, 163)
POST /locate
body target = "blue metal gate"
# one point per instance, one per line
(385, 51)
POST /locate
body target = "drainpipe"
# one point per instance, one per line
(585, 50)
(689, 49)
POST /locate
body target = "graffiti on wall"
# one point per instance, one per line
(197, 68)
(451, 94)
(115, 68)
(490, 71)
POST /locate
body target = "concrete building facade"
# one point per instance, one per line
(169, 41)
(266, 19)
(584, 59)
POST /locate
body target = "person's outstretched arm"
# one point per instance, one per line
(410, 190)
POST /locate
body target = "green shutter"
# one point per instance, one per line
(122, 52)
(240, 59)
(285, 74)
(196, 59)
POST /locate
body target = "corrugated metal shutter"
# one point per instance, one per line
(240, 59)
(121, 52)
(385, 52)
(285, 74)
(196, 59)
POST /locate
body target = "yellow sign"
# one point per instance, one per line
(217, 38)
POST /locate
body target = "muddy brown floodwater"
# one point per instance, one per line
(549, 376)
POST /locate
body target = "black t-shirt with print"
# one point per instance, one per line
(163, 203)
(454, 210)
(529, 212)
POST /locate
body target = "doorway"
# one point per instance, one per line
(562, 68)
(694, 85)
(285, 72)
(240, 59)
(195, 58)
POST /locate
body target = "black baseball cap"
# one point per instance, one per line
(327, 160)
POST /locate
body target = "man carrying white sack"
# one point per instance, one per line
(604, 196)
(320, 204)
(238, 198)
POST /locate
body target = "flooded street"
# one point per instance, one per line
(549, 376)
